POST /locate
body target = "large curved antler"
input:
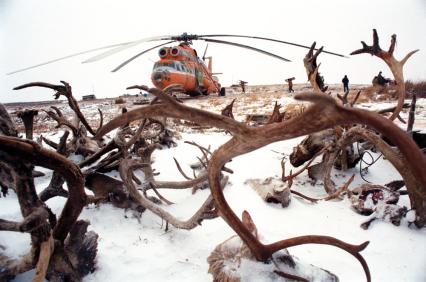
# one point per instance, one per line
(395, 66)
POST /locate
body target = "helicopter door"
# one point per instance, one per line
(199, 76)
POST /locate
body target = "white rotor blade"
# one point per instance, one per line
(68, 56)
(124, 47)
(139, 54)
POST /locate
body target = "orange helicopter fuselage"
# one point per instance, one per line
(181, 65)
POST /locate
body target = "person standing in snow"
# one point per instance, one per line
(290, 84)
(345, 82)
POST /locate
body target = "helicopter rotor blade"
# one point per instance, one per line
(205, 52)
(246, 47)
(269, 39)
(124, 47)
(67, 57)
(139, 54)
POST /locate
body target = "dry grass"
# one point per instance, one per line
(251, 98)
(418, 88)
(293, 110)
(119, 101)
(215, 102)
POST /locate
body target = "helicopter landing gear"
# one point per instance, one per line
(195, 93)
(222, 91)
(204, 91)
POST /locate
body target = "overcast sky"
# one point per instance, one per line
(32, 32)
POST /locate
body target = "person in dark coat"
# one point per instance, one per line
(345, 82)
(381, 80)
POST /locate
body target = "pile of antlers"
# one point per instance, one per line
(336, 145)
(55, 241)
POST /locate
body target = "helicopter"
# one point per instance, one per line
(179, 64)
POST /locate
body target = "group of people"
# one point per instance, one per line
(379, 79)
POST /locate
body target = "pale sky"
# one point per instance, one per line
(32, 32)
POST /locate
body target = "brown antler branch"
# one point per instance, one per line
(293, 175)
(55, 186)
(101, 118)
(180, 170)
(31, 222)
(72, 174)
(395, 66)
(311, 66)
(7, 127)
(411, 115)
(175, 110)
(27, 117)
(61, 120)
(227, 111)
(66, 91)
(125, 170)
(276, 116)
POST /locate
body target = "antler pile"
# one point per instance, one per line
(324, 113)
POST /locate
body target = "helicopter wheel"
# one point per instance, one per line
(194, 93)
(222, 91)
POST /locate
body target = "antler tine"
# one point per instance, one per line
(60, 119)
(57, 110)
(286, 178)
(173, 87)
(283, 169)
(311, 50)
(163, 94)
(125, 170)
(40, 84)
(323, 240)
(180, 169)
(202, 162)
(355, 99)
(101, 117)
(203, 150)
(140, 87)
(315, 56)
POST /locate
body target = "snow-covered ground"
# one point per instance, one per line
(133, 248)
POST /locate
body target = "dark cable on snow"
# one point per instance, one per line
(373, 161)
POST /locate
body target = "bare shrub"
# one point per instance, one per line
(418, 88)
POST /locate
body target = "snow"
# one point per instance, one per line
(135, 247)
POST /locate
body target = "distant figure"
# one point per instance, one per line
(243, 85)
(381, 80)
(345, 82)
(290, 84)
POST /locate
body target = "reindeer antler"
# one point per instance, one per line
(66, 91)
(395, 66)
(52, 160)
